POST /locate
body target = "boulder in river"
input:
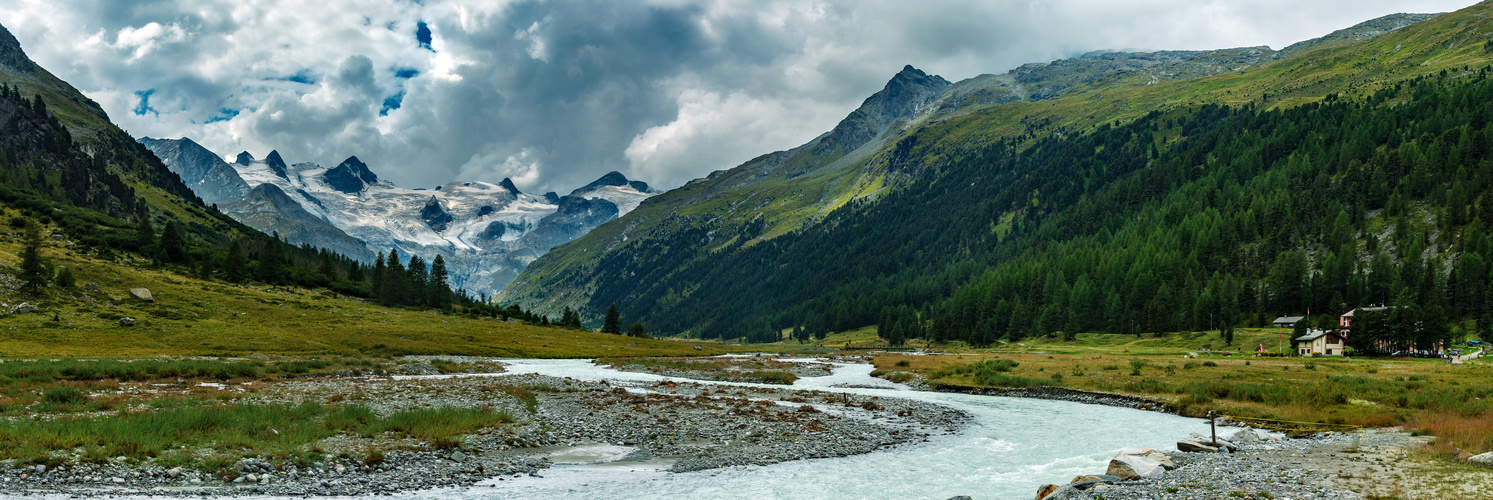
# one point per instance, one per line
(1139, 463)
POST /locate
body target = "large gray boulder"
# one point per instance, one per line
(1139, 463)
(23, 308)
(142, 294)
(1245, 436)
(1484, 459)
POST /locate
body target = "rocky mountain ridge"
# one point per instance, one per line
(486, 232)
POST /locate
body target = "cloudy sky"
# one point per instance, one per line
(555, 94)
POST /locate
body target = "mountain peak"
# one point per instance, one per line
(277, 164)
(244, 158)
(905, 94)
(508, 184)
(613, 178)
(351, 176)
(11, 53)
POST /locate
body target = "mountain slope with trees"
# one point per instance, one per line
(1331, 177)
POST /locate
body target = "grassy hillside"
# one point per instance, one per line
(210, 318)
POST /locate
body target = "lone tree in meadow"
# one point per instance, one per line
(613, 324)
(33, 270)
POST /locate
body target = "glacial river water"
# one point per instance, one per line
(1013, 446)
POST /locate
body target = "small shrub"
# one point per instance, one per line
(1209, 363)
(1309, 365)
(1189, 366)
(904, 363)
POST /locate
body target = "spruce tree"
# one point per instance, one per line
(396, 283)
(145, 236)
(419, 280)
(613, 323)
(235, 267)
(439, 290)
(271, 268)
(33, 270)
(173, 247)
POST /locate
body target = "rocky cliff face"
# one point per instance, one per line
(206, 173)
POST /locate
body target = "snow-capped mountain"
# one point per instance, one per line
(486, 232)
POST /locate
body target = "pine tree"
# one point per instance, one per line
(613, 323)
(234, 267)
(379, 271)
(145, 236)
(396, 282)
(272, 263)
(439, 290)
(419, 280)
(33, 270)
(173, 247)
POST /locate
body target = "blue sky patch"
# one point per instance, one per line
(144, 106)
(301, 77)
(422, 35)
(224, 114)
(391, 103)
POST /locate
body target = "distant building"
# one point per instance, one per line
(1320, 343)
(1347, 318)
(1287, 321)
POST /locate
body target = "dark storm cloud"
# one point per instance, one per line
(554, 94)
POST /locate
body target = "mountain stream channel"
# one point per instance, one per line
(1009, 448)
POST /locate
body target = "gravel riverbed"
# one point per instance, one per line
(684, 426)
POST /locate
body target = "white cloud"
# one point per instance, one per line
(711, 131)
(554, 94)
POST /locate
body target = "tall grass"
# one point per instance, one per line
(1469, 433)
(994, 373)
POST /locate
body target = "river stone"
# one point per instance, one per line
(1064, 492)
(1245, 436)
(1137, 463)
(1485, 459)
(961, 497)
(1195, 447)
(142, 294)
(126, 321)
(458, 457)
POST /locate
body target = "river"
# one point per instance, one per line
(1012, 446)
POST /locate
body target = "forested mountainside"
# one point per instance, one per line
(1326, 179)
(67, 170)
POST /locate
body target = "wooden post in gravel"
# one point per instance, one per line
(1212, 429)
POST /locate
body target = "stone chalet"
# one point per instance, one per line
(1320, 343)
(1287, 321)
(1346, 319)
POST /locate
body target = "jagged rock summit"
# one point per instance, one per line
(351, 176)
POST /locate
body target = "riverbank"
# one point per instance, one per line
(667, 425)
(1367, 464)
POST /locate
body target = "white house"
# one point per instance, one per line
(1320, 343)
